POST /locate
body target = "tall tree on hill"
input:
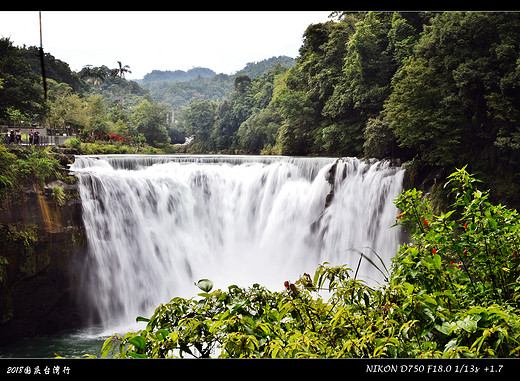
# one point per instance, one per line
(121, 70)
(93, 75)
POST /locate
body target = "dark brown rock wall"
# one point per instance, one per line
(44, 243)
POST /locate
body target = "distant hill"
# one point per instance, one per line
(176, 76)
(256, 69)
(180, 93)
(177, 88)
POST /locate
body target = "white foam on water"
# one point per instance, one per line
(157, 224)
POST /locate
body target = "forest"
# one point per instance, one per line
(437, 90)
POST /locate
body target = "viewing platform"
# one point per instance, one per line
(45, 138)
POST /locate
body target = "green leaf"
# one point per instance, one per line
(429, 313)
(451, 345)
(392, 351)
(446, 328)
(367, 300)
(205, 285)
(437, 261)
(428, 299)
(408, 287)
(108, 345)
(161, 334)
(138, 341)
(468, 324)
(137, 355)
(140, 318)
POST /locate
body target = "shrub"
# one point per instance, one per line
(73, 143)
(58, 195)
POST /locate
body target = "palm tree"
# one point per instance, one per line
(95, 75)
(121, 70)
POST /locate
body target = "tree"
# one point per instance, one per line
(224, 127)
(242, 100)
(94, 75)
(98, 120)
(66, 108)
(368, 69)
(16, 117)
(379, 139)
(422, 117)
(55, 69)
(199, 120)
(318, 71)
(259, 131)
(21, 86)
(120, 71)
(449, 98)
(299, 115)
(150, 121)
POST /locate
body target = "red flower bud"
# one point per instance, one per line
(425, 223)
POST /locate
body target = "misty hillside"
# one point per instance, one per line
(177, 88)
(256, 69)
(176, 76)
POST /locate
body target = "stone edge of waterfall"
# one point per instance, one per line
(123, 161)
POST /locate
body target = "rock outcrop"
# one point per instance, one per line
(43, 242)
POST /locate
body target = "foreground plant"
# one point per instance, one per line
(453, 292)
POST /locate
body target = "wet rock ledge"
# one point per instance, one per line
(43, 242)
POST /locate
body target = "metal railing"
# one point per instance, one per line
(42, 140)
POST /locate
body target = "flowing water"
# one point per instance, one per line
(157, 224)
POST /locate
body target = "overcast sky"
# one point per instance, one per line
(165, 40)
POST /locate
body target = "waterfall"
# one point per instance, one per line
(157, 224)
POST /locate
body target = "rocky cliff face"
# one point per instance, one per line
(42, 239)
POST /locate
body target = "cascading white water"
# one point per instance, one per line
(156, 224)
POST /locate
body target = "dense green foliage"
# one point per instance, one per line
(55, 69)
(257, 69)
(453, 291)
(25, 167)
(19, 85)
